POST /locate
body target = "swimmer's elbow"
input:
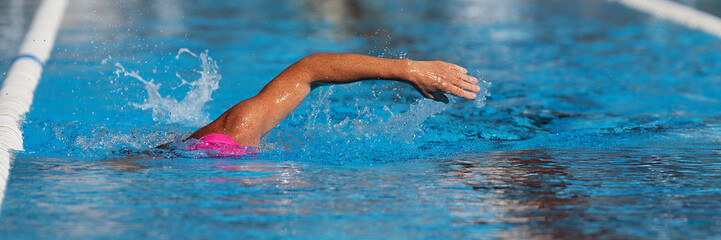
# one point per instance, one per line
(307, 71)
(314, 67)
(315, 57)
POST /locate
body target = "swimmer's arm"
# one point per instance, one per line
(252, 118)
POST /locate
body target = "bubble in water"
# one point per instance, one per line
(188, 111)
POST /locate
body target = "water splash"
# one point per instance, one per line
(81, 139)
(189, 111)
(482, 95)
(103, 139)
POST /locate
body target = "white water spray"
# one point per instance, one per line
(189, 111)
(482, 95)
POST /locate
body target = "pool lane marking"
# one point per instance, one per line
(678, 13)
(18, 88)
(29, 56)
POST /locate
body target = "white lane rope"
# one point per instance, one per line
(16, 94)
(678, 13)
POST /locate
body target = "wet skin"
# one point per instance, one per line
(249, 120)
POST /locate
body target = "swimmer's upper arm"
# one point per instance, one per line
(252, 118)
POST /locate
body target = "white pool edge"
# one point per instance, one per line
(16, 94)
(677, 13)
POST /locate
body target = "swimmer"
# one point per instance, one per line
(248, 121)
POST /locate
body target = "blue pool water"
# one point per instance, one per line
(602, 122)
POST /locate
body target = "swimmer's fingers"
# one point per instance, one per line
(424, 92)
(463, 83)
(458, 77)
(459, 86)
(455, 90)
(469, 79)
(457, 68)
(462, 73)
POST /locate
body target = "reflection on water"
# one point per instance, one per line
(527, 194)
(525, 186)
(551, 193)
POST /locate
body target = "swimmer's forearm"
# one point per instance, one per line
(348, 67)
(431, 79)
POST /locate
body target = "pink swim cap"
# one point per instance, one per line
(219, 138)
(221, 145)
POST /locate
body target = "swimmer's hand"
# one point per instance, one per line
(433, 78)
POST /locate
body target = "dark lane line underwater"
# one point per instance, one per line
(593, 121)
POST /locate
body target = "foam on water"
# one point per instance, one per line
(189, 110)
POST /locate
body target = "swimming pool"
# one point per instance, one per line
(603, 122)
